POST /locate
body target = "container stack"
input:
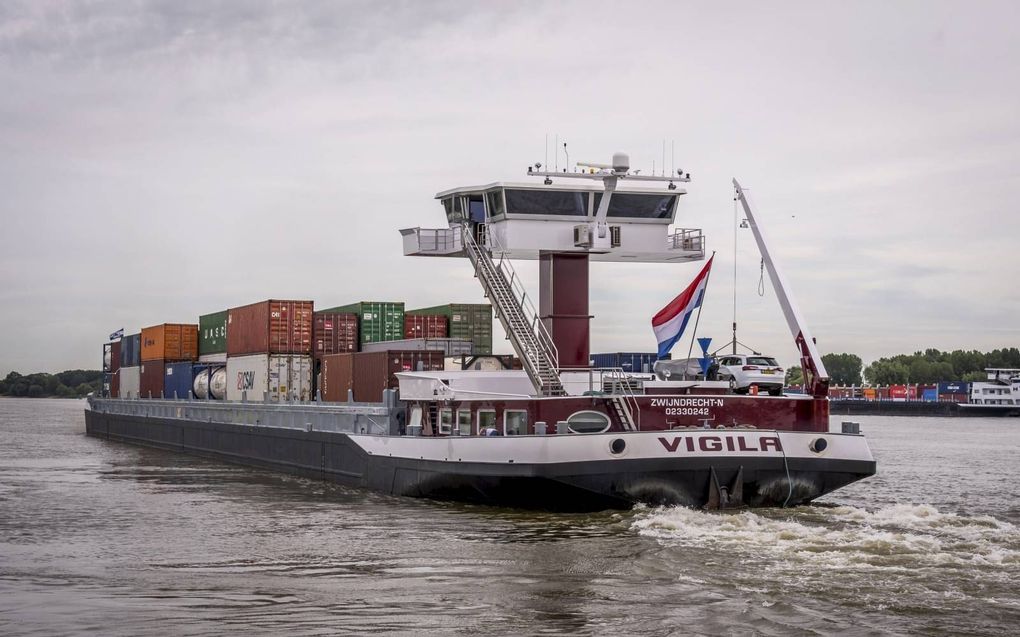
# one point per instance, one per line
(160, 345)
(367, 374)
(130, 362)
(377, 320)
(269, 347)
(469, 321)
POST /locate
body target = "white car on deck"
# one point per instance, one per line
(745, 370)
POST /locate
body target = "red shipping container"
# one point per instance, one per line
(270, 327)
(334, 333)
(336, 377)
(151, 378)
(898, 392)
(375, 371)
(425, 326)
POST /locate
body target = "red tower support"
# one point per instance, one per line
(563, 304)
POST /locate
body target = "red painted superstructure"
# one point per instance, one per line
(563, 305)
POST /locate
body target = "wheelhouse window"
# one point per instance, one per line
(562, 203)
(486, 420)
(454, 210)
(494, 202)
(637, 206)
(464, 422)
(515, 423)
(587, 422)
(445, 421)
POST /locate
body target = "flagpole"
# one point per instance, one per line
(694, 333)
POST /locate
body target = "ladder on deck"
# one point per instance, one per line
(515, 311)
(621, 398)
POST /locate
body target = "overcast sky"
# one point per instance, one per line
(164, 160)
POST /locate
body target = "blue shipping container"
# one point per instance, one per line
(954, 387)
(929, 395)
(131, 351)
(628, 361)
(180, 378)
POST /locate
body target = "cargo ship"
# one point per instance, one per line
(555, 433)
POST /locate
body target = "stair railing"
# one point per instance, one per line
(536, 343)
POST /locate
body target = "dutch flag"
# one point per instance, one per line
(671, 321)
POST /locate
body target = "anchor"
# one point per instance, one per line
(725, 496)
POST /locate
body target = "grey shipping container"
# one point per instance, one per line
(131, 350)
(130, 381)
(377, 320)
(212, 333)
(449, 346)
(472, 321)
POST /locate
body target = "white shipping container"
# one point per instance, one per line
(449, 346)
(130, 381)
(213, 358)
(286, 377)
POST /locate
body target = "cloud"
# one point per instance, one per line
(163, 159)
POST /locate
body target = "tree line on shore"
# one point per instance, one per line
(925, 368)
(73, 383)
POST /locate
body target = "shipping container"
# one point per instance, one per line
(212, 334)
(177, 380)
(151, 379)
(213, 358)
(929, 395)
(336, 377)
(130, 382)
(449, 346)
(334, 333)
(107, 389)
(869, 393)
(131, 350)
(628, 361)
(270, 327)
(377, 320)
(954, 387)
(375, 371)
(472, 321)
(275, 377)
(170, 342)
(425, 326)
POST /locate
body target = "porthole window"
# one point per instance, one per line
(588, 422)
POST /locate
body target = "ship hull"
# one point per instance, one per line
(693, 468)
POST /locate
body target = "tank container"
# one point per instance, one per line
(270, 327)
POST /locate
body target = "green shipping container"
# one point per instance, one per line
(469, 321)
(377, 320)
(212, 333)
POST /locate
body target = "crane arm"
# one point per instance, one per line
(815, 375)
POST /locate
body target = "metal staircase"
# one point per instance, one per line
(622, 401)
(515, 311)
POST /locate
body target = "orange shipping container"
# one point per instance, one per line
(170, 342)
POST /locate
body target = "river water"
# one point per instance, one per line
(103, 538)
